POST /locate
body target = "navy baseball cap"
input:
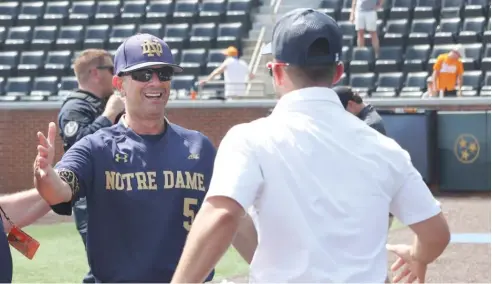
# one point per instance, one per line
(296, 31)
(142, 51)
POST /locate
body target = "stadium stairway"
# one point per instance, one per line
(265, 18)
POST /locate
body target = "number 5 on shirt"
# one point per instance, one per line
(189, 212)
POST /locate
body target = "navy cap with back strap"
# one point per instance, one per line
(143, 51)
(296, 31)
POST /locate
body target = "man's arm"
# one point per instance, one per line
(415, 206)
(72, 173)
(459, 79)
(246, 239)
(23, 208)
(235, 184)
(219, 70)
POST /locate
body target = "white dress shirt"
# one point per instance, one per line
(321, 184)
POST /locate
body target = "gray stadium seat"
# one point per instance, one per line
(8, 13)
(349, 33)
(422, 31)
(44, 86)
(451, 8)
(362, 60)
(18, 38)
(18, 86)
(107, 12)
(212, 11)
(416, 58)
(57, 63)
(44, 38)
(331, 8)
(239, 11)
(389, 82)
(472, 80)
(389, 59)
(203, 35)
(119, 33)
(153, 29)
(193, 61)
(425, 9)
(96, 36)
(229, 34)
(400, 9)
(485, 64)
(447, 31)
(31, 63)
(30, 13)
(159, 11)
(70, 38)
(362, 82)
(476, 8)
(133, 12)
(186, 11)
(8, 62)
(215, 58)
(81, 13)
(56, 13)
(472, 30)
(473, 56)
(396, 32)
(415, 82)
(176, 35)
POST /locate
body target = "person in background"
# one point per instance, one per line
(354, 104)
(86, 110)
(430, 87)
(236, 74)
(365, 16)
(22, 209)
(448, 73)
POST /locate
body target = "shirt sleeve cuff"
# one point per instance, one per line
(103, 121)
(415, 218)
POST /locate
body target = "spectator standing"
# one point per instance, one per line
(236, 73)
(365, 16)
(430, 88)
(448, 73)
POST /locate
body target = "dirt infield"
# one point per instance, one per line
(460, 263)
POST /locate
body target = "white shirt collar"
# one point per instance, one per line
(310, 94)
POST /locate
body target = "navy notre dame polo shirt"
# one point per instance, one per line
(143, 192)
(5, 257)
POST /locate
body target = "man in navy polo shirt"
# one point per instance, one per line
(144, 178)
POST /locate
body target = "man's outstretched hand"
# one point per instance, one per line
(46, 152)
(409, 267)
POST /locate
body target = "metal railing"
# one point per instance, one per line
(256, 56)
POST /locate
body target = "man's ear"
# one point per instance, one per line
(117, 83)
(338, 72)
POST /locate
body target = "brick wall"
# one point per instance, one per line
(18, 138)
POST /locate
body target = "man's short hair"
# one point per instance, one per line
(88, 59)
(346, 94)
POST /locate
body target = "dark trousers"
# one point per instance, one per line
(80, 214)
(450, 93)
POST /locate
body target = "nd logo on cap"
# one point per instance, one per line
(151, 48)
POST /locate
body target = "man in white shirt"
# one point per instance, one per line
(320, 181)
(236, 74)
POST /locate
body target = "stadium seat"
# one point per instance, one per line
(96, 36)
(193, 61)
(349, 32)
(18, 86)
(176, 35)
(57, 63)
(472, 57)
(331, 8)
(485, 64)
(8, 62)
(363, 82)
(416, 58)
(486, 34)
(176, 55)
(18, 38)
(81, 13)
(229, 34)
(239, 11)
(426, 9)
(476, 8)
(2, 86)
(56, 13)
(346, 56)
(67, 85)
(70, 38)
(389, 59)
(186, 11)
(362, 60)
(400, 9)
(436, 51)
(415, 82)
(159, 11)
(486, 86)
(8, 13)
(133, 12)
(119, 33)
(470, 93)
(44, 86)
(396, 32)
(447, 31)
(451, 8)
(212, 11)
(203, 35)
(215, 58)
(3, 35)
(44, 38)
(472, 80)
(30, 13)
(345, 12)
(107, 12)
(472, 30)
(183, 82)
(389, 82)
(30, 63)
(153, 29)
(422, 31)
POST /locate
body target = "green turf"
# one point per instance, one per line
(61, 257)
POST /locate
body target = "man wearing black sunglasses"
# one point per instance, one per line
(144, 176)
(87, 109)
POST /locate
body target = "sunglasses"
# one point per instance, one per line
(145, 75)
(270, 66)
(106, 67)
